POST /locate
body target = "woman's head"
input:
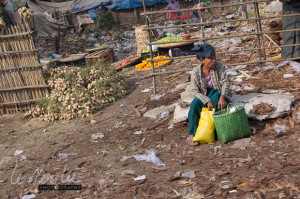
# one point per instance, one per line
(206, 53)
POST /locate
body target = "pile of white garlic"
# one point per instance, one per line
(74, 94)
(25, 13)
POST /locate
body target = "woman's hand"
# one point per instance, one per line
(210, 106)
(222, 102)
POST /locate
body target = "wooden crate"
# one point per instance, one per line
(94, 57)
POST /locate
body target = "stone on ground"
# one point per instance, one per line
(157, 112)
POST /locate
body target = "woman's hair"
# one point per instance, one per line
(204, 51)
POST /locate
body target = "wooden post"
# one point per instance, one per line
(151, 52)
(57, 40)
(136, 14)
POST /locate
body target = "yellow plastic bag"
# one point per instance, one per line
(206, 129)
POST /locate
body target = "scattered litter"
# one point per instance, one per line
(105, 152)
(190, 174)
(69, 134)
(213, 178)
(216, 148)
(270, 91)
(117, 125)
(97, 135)
(93, 121)
(231, 72)
(225, 187)
(18, 152)
(239, 80)
(288, 75)
(157, 97)
(224, 181)
(137, 133)
(146, 90)
(235, 88)
(278, 128)
(240, 67)
(105, 181)
(66, 155)
(295, 65)
(150, 156)
(125, 158)
(164, 114)
(232, 16)
(22, 158)
(122, 105)
(241, 143)
(143, 177)
(173, 90)
(206, 30)
(243, 184)
(29, 196)
(271, 141)
(184, 182)
(233, 191)
(121, 148)
(248, 88)
(91, 39)
(127, 172)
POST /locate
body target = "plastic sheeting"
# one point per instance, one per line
(83, 5)
(43, 20)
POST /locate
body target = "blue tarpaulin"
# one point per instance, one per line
(129, 4)
(83, 5)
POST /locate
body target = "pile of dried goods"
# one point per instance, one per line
(77, 92)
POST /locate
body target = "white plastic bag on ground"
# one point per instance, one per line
(278, 128)
(150, 156)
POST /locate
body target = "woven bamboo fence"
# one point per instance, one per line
(21, 79)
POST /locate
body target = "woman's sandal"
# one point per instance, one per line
(191, 143)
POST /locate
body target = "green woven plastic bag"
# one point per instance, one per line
(231, 126)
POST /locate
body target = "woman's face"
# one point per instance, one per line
(210, 62)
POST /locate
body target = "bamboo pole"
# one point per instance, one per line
(218, 22)
(151, 51)
(245, 63)
(258, 31)
(194, 9)
(223, 37)
(247, 49)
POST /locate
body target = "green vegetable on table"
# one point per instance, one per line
(169, 39)
(147, 51)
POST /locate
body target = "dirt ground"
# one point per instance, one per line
(268, 168)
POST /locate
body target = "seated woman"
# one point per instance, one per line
(210, 87)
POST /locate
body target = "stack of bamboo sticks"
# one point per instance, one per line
(21, 78)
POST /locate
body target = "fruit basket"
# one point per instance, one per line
(126, 63)
(145, 66)
(146, 54)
